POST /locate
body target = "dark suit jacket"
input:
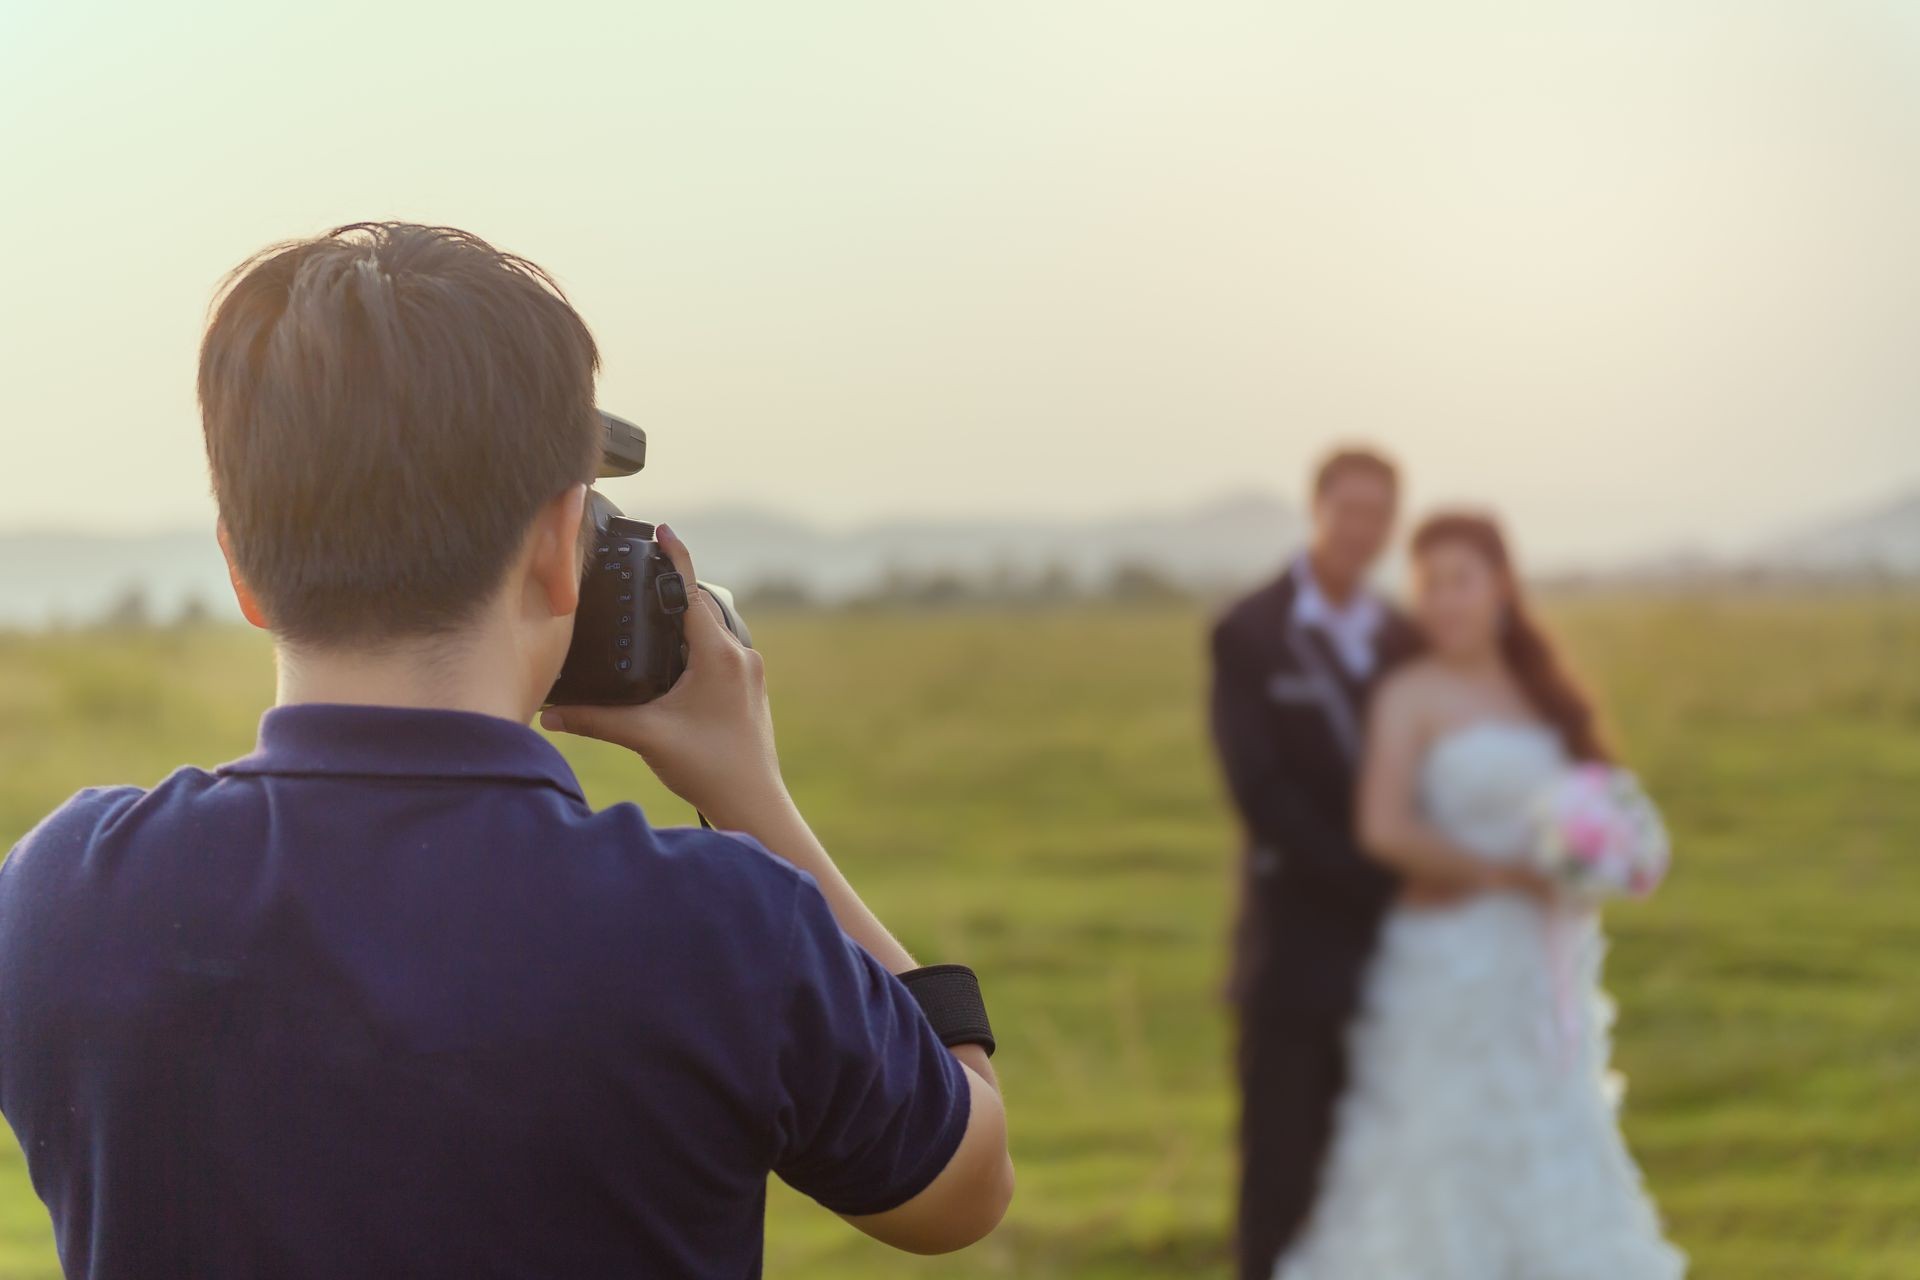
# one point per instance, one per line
(1287, 721)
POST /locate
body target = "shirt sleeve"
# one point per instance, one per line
(871, 1105)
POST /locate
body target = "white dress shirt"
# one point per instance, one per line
(1350, 627)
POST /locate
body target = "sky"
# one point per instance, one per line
(1635, 274)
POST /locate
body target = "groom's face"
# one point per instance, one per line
(1353, 521)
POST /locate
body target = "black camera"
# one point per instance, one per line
(629, 637)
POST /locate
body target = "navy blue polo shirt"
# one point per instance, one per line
(386, 997)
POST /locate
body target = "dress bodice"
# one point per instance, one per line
(1479, 782)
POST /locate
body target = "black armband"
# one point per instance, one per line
(949, 994)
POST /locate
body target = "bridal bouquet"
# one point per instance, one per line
(1599, 836)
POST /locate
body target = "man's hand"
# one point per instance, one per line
(710, 737)
(1517, 878)
(1528, 881)
(1433, 895)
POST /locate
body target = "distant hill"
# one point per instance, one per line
(1877, 543)
(1222, 542)
(54, 577)
(71, 577)
(76, 577)
(1883, 540)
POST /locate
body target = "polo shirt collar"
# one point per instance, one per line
(328, 739)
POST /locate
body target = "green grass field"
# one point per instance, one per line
(1032, 795)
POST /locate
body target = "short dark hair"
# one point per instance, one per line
(386, 407)
(1354, 460)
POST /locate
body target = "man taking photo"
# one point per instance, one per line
(386, 997)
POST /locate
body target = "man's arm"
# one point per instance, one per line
(710, 740)
(1271, 802)
(969, 1197)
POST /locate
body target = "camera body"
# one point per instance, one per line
(629, 635)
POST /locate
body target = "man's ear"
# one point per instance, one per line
(554, 556)
(242, 593)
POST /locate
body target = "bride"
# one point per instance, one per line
(1477, 1138)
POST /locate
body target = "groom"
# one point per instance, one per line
(1293, 664)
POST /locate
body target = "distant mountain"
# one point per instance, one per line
(76, 577)
(1885, 539)
(1227, 541)
(1876, 543)
(54, 577)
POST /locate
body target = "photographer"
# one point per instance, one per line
(386, 996)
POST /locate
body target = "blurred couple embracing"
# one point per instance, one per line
(1422, 1053)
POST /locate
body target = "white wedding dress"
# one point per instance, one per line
(1477, 1139)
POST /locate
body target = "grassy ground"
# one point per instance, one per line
(1032, 795)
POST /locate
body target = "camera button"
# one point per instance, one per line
(624, 664)
(625, 618)
(625, 597)
(623, 642)
(625, 548)
(626, 575)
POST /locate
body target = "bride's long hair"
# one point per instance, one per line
(1530, 651)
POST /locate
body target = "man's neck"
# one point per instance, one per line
(1339, 589)
(446, 675)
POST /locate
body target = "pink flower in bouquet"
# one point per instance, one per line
(1599, 835)
(1589, 835)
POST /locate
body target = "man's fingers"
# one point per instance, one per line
(577, 720)
(706, 627)
(677, 552)
(630, 727)
(706, 624)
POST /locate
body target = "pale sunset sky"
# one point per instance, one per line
(1635, 273)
